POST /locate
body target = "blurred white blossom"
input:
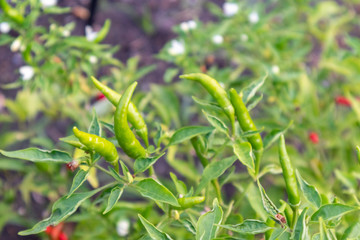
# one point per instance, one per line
(16, 45)
(5, 27)
(26, 72)
(176, 48)
(187, 26)
(217, 39)
(66, 33)
(90, 33)
(244, 37)
(48, 3)
(122, 227)
(230, 9)
(93, 59)
(275, 69)
(253, 17)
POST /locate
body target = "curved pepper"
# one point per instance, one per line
(98, 144)
(188, 202)
(247, 124)
(134, 115)
(289, 174)
(11, 12)
(216, 91)
(123, 133)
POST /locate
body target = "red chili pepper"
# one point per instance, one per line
(99, 97)
(314, 137)
(340, 100)
(63, 236)
(56, 233)
(49, 230)
(72, 166)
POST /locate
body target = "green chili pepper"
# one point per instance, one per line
(289, 174)
(215, 90)
(123, 133)
(247, 124)
(188, 202)
(98, 144)
(11, 12)
(134, 115)
(199, 147)
(103, 32)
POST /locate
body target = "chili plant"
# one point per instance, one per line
(195, 203)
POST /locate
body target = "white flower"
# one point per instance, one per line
(16, 45)
(192, 24)
(26, 72)
(230, 9)
(189, 25)
(48, 3)
(90, 33)
(217, 39)
(5, 27)
(176, 48)
(122, 227)
(93, 59)
(275, 69)
(244, 37)
(66, 33)
(253, 17)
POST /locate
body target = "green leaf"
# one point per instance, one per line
(268, 205)
(332, 211)
(280, 234)
(301, 230)
(115, 195)
(153, 232)
(254, 197)
(61, 209)
(206, 226)
(39, 155)
(249, 91)
(251, 133)
(217, 123)
(179, 185)
(214, 170)
(188, 225)
(254, 102)
(10, 164)
(352, 232)
(211, 105)
(115, 174)
(274, 135)
(243, 152)
(187, 133)
(358, 153)
(152, 189)
(169, 74)
(78, 180)
(249, 226)
(95, 127)
(109, 126)
(309, 191)
(142, 164)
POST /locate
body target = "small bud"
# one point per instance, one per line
(123, 227)
(230, 9)
(72, 165)
(217, 39)
(5, 27)
(253, 17)
(175, 214)
(275, 69)
(26, 72)
(16, 45)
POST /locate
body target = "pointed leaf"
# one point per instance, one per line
(115, 195)
(309, 191)
(249, 226)
(352, 232)
(142, 164)
(243, 152)
(78, 180)
(250, 91)
(268, 205)
(61, 209)
(301, 230)
(332, 211)
(206, 226)
(39, 155)
(214, 170)
(153, 232)
(187, 133)
(274, 135)
(179, 185)
(254, 102)
(154, 190)
(217, 123)
(95, 127)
